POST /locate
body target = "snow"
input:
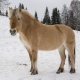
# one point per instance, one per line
(15, 63)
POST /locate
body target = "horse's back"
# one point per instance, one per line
(52, 37)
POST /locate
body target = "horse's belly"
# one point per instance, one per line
(51, 45)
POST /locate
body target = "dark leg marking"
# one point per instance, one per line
(60, 70)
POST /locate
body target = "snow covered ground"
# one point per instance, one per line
(15, 63)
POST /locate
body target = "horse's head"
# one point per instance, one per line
(15, 21)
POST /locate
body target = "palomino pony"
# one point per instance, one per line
(36, 36)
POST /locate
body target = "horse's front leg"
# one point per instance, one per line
(34, 62)
(30, 56)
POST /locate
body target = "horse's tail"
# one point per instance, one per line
(69, 58)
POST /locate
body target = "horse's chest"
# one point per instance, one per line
(25, 43)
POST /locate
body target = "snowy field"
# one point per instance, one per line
(15, 63)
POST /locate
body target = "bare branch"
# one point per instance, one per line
(4, 4)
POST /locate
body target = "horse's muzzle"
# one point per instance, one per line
(13, 32)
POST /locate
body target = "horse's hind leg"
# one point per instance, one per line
(63, 57)
(71, 51)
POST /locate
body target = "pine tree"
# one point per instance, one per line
(0, 12)
(26, 8)
(46, 19)
(6, 13)
(36, 16)
(22, 6)
(72, 20)
(75, 6)
(65, 15)
(49, 20)
(55, 18)
(58, 17)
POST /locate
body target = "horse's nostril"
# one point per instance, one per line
(13, 32)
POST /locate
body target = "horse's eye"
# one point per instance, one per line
(18, 18)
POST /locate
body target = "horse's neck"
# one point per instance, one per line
(28, 23)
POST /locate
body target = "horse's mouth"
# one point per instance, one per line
(13, 32)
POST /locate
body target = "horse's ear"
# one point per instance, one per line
(10, 11)
(10, 8)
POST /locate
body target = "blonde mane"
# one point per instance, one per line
(27, 13)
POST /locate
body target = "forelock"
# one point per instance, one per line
(13, 12)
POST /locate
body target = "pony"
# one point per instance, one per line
(36, 36)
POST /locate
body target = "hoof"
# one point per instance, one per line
(34, 72)
(72, 70)
(60, 70)
(31, 70)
